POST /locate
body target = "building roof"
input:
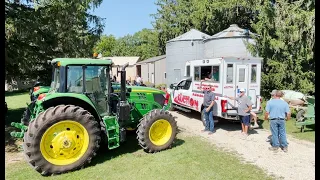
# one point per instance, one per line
(193, 34)
(76, 61)
(121, 60)
(232, 31)
(153, 59)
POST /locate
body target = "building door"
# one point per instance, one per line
(177, 75)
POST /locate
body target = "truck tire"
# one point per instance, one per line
(61, 139)
(157, 120)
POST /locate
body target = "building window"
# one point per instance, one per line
(197, 73)
(230, 73)
(188, 71)
(165, 75)
(253, 73)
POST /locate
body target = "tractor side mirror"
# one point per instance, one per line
(171, 86)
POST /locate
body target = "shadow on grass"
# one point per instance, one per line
(228, 125)
(130, 146)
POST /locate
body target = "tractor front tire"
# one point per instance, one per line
(61, 139)
(157, 131)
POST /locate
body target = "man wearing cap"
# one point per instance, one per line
(277, 111)
(244, 107)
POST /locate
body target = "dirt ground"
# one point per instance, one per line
(298, 163)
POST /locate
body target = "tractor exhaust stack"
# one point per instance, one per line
(123, 82)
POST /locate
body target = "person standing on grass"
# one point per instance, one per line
(277, 111)
(244, 108)
(208, 103)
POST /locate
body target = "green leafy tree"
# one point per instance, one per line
(37, 31)
(286, 42)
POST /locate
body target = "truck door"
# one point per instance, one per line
(241, 79)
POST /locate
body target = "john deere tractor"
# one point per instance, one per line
(82, 112)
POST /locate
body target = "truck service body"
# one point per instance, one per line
(231, 74)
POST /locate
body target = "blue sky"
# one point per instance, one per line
(126, 16)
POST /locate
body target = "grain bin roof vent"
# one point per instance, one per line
(193, 34)
(233, 31)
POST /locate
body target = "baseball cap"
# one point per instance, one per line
(241, 90)
(273, 92)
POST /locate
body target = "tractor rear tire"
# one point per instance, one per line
(163, 139)
(61, 139)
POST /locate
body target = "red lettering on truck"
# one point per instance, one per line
(186, 100)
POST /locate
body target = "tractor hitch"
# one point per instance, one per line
(19, 126)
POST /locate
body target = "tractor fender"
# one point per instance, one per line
(80, 100)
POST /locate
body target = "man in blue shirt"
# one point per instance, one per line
(278, 111)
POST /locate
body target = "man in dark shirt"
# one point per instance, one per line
(208, 103)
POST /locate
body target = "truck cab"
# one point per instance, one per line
(225, 76)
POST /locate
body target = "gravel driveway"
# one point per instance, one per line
(298, 163)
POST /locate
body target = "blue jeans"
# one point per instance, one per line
(278, 131)
(209, 120)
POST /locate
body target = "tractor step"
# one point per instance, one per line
(181, 108)
(112, 131)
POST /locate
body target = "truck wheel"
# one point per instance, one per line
(61, 139)
(157, 131)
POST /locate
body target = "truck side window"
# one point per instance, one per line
(188, 71)
(253, 73)
(187, 85)
(230, 73)
(210, 73)
(197, 73)
(181, 85)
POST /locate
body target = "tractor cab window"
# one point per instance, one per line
(96, 79)
(55, 83)
(74, 79)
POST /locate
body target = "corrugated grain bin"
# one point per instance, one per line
(188, 46)
(229, 42)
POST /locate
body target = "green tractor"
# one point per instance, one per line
(83, 111)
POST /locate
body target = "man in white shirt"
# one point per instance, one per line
(138, 80)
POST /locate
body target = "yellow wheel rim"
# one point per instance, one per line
(64, 142)
(160, 132)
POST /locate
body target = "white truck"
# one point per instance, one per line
(227, 75)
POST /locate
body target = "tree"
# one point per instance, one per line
(143, 44)
(36, 31)
(286, 42)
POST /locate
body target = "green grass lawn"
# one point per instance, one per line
(291, 129)
(190, 158)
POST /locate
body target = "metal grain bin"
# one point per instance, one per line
(229, 42)
(188, 46)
